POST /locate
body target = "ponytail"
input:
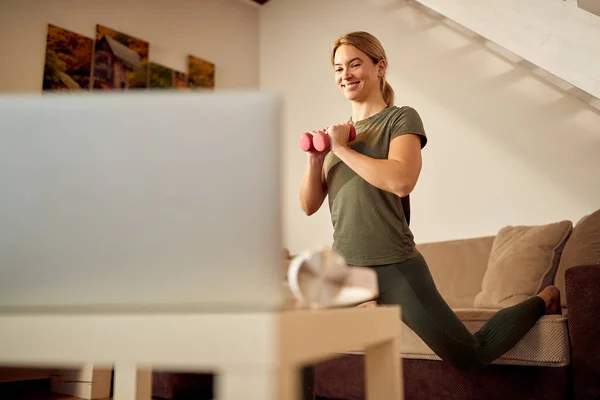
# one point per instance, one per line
(388, 92)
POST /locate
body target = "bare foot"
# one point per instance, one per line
(371, 303)
(551, 296)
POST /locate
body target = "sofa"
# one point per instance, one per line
(557, 359)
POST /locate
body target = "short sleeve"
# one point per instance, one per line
(407, 120)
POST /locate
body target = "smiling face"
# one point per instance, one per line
(357, 76)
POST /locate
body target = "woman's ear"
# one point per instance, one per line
(381, 68)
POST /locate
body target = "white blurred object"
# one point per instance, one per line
(321, 279)
(104, 198)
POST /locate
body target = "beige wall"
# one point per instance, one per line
(504, 147)
(174, 29)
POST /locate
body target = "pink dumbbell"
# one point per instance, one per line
(306, 142)
(320, 141)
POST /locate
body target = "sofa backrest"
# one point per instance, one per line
(458, 267)
(582, 248)
(461, 268)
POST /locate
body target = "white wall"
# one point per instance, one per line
(504, 148)
(224, 32)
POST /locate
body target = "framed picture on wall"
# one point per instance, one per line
(201, 73)
(68, 61)
(120, 60)
(162, 77)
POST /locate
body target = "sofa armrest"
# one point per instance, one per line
(583, 316)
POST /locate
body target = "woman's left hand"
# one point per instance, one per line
(338, 135)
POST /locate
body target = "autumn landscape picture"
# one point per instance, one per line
(201, 73)
(120, 60)
(114, 60)
(162, 77)
(68, 60)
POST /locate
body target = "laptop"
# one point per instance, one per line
(140, 201)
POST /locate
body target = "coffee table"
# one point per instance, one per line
(255, 355)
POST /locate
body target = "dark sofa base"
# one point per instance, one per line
(342, 378)
(182, 386)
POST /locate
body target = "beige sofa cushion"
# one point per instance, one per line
(582, 248)
(457, 267)
(545, 345)
(523, 261)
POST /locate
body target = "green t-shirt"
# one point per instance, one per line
(369, 224)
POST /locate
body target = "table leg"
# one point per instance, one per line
(144, 384)
(131, 383)
(383, 371)
(288, 383)
(259, 383)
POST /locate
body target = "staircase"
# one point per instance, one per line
(557, 40)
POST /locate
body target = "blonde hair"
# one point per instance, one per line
(372, 47)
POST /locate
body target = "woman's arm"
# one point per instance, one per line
(313, 188)
(397, 174)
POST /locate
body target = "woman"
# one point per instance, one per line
(364, 182)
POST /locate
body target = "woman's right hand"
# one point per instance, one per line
(313, 188)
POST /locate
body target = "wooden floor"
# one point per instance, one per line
(30, 390)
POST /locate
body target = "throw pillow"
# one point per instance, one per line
(582, 248)
(523, 261)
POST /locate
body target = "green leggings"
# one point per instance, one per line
(410, 285)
